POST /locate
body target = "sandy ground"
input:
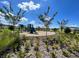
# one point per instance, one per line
(39, 33)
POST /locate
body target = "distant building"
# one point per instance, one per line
(74, 28)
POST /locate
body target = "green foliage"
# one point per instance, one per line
(55, 29)
(38, 54)
(53, 55)
(6, 38)
(11, 28)
(67, 30)
(21, 54)
(66, 53)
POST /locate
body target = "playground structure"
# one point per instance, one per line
(31, 29)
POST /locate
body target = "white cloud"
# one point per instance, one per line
(40, 25)
(72, 25)
(29, 6)
(36, 24)
(33, 6)
(2, 14)
(23, 7)
(33, 22)
(2, 20)
(5, 3)
(24, 19)
(53, 26)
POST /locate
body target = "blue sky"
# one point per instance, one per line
(67, 9)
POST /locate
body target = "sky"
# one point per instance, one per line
(67, 9)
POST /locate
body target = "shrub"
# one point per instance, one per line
(55, 29)
(11, 28)
(66, 53)
(7, 38)
(36, 48)
(53, 55)
(67, 30)
(21, 54)
(38, 54)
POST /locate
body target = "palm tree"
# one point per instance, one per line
(46, 19)
(62, 24)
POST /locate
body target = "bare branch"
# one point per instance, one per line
(11, 7)
(58, 22)
(41, 17)
(52, 17)
(6, 9)
(19, 12)
(63, 23)
(46, 13)
(23, 13)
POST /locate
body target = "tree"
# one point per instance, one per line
(21, 27)
(46, 19)
(11, 28)
(9, 14)
(67, 30)
(62, 24)
(13, 17)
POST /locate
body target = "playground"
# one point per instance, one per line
(38, 33)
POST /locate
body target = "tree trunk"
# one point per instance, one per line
(46, 31)
(47, 38)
